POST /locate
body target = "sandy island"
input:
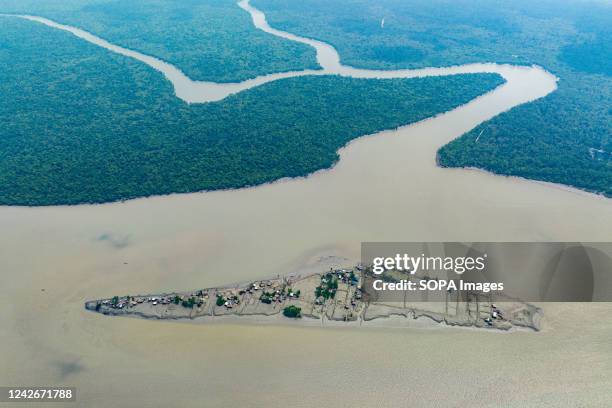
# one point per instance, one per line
(334, 298)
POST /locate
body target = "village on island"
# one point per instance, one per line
(337, 296)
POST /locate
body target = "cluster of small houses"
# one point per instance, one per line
(229, 300)
(495, 315)
(120, 303)
(272, 291)
(346, 276)
(197, 298)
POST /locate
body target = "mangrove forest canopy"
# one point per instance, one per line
(83, 125)
(565, 137)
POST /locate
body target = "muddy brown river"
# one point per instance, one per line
(386, 187)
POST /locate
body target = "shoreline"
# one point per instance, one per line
(568, 188)
(393, 322)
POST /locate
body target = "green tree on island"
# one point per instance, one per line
(292, 311)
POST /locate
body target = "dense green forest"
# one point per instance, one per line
(83, 125)
(564, 138)
(212, 40)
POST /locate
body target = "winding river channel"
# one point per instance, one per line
(328, 58)
(386, 187)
